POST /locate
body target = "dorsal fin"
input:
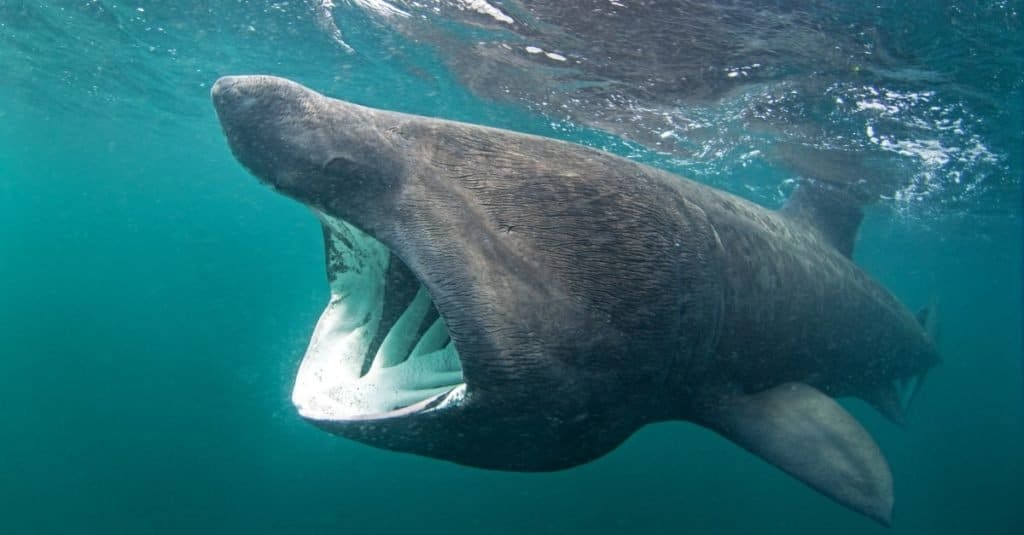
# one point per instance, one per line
(832, 212)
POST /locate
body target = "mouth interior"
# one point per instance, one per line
(380, 349)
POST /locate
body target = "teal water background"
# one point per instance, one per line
(155, 301)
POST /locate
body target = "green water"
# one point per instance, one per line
(155, 302)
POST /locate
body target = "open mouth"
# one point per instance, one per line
(380, 348)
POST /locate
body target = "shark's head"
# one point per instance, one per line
(477, 310)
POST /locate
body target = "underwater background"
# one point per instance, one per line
(155, 300)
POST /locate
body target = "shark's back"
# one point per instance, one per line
(795, 305)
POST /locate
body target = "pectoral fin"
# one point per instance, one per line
(808, 435)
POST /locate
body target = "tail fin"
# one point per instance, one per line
(893, 399)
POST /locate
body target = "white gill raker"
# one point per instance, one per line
(405, 399)
(443, 360)
(437, 369)
(334, 356)
(394, 349)
(432, 340)
(340, 340)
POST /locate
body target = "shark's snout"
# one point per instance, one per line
(231, 91)
(233, 94)
(309, 147)
(222, 88)
(248, 104)
(274, 130)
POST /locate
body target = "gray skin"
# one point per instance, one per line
(588, 295)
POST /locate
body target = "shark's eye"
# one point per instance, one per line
(342, 166)
(353, 172)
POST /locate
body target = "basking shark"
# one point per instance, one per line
(513, 302)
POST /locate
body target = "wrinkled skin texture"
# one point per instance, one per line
(588, 295)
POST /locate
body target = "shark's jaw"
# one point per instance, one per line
(380, 350)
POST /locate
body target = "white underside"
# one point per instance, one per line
(404, 372)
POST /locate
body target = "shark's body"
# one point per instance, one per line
(514, 302)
